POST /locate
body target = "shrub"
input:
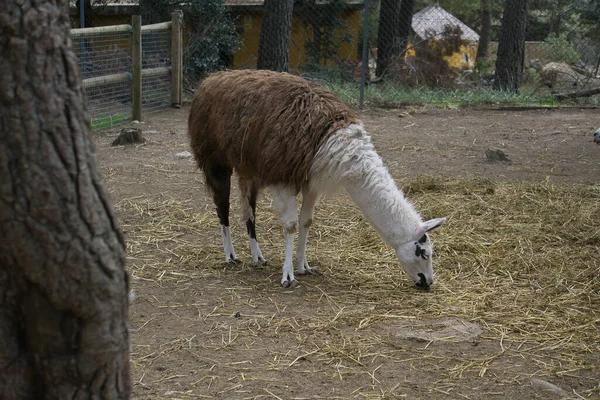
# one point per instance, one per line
(559, 48)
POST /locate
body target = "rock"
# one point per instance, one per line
(597, 136)
(183, 154)
(496, 155)
(559, 72)
(548, 389)
(129, 136)
(452, 329)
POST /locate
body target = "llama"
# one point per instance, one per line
(291, 135)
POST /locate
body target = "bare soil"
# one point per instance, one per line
(203, 329)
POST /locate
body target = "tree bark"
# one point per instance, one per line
(275, 35)
(405, 15)
(395, 19)
(63, 284)
(579, 93)
(387, 35)
(511, 46)
(483, 52)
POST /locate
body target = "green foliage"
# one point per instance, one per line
(102, 122)
(559, 48)
(213, 39)
(390, 95)
(212, 36)
(589, 11)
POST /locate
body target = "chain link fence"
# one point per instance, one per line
(427, 45)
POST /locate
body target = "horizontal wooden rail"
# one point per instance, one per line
(123, 77)
(163, 26)
(100, 30)
(107, 79)
(155, 71)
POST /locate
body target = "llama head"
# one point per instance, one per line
(415, 255)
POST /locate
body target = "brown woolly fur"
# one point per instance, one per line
(266, 125)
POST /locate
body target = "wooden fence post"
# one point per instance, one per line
(176, 58)
(136, 59)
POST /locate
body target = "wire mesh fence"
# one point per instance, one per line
(426, 44)
(100, 56)
(156, 89)
(107, 59)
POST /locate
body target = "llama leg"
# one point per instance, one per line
(218, 178)
(309, 201)
(285, 200)
(249, 196)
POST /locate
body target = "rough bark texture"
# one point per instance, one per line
(387, 34)
(395, 19)
(404, 26)
(511, 46)
(63, 285)
(483, 52)
(275, 35)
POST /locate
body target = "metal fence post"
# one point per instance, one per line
(136, 59)
(176, 58)
(365, 57)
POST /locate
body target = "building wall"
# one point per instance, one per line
(249, 25)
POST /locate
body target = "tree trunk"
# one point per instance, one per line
(483, 52)
(387, 35)
(275, 35)
(511, 46)
(395, 19)
(63, 285)
(404, 25)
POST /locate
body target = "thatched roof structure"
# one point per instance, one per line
(431, 22)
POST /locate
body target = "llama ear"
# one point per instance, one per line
(433, 223)
(429, 226)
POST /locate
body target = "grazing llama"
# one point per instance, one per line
(280, 131)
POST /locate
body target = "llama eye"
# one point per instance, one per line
(423, 239)
(419, 252)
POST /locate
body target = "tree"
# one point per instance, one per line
(275, 35)
(511, 46)
(486, 31)
(395, 20)
(323, 26)
(63, 284)
(387, 35)
(405, 15)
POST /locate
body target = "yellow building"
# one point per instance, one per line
(430, 24)
(248, 15)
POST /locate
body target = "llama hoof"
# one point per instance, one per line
(289, 284)
(233, 261)
(306, 271)
(260, 261)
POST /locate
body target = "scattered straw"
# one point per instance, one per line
(521, 260)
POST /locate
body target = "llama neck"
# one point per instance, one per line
(349, 159)
(384, 205)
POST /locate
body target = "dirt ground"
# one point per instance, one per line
(203, 329)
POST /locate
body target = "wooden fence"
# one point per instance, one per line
(138, 73)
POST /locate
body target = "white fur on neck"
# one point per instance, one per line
(349, 159)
